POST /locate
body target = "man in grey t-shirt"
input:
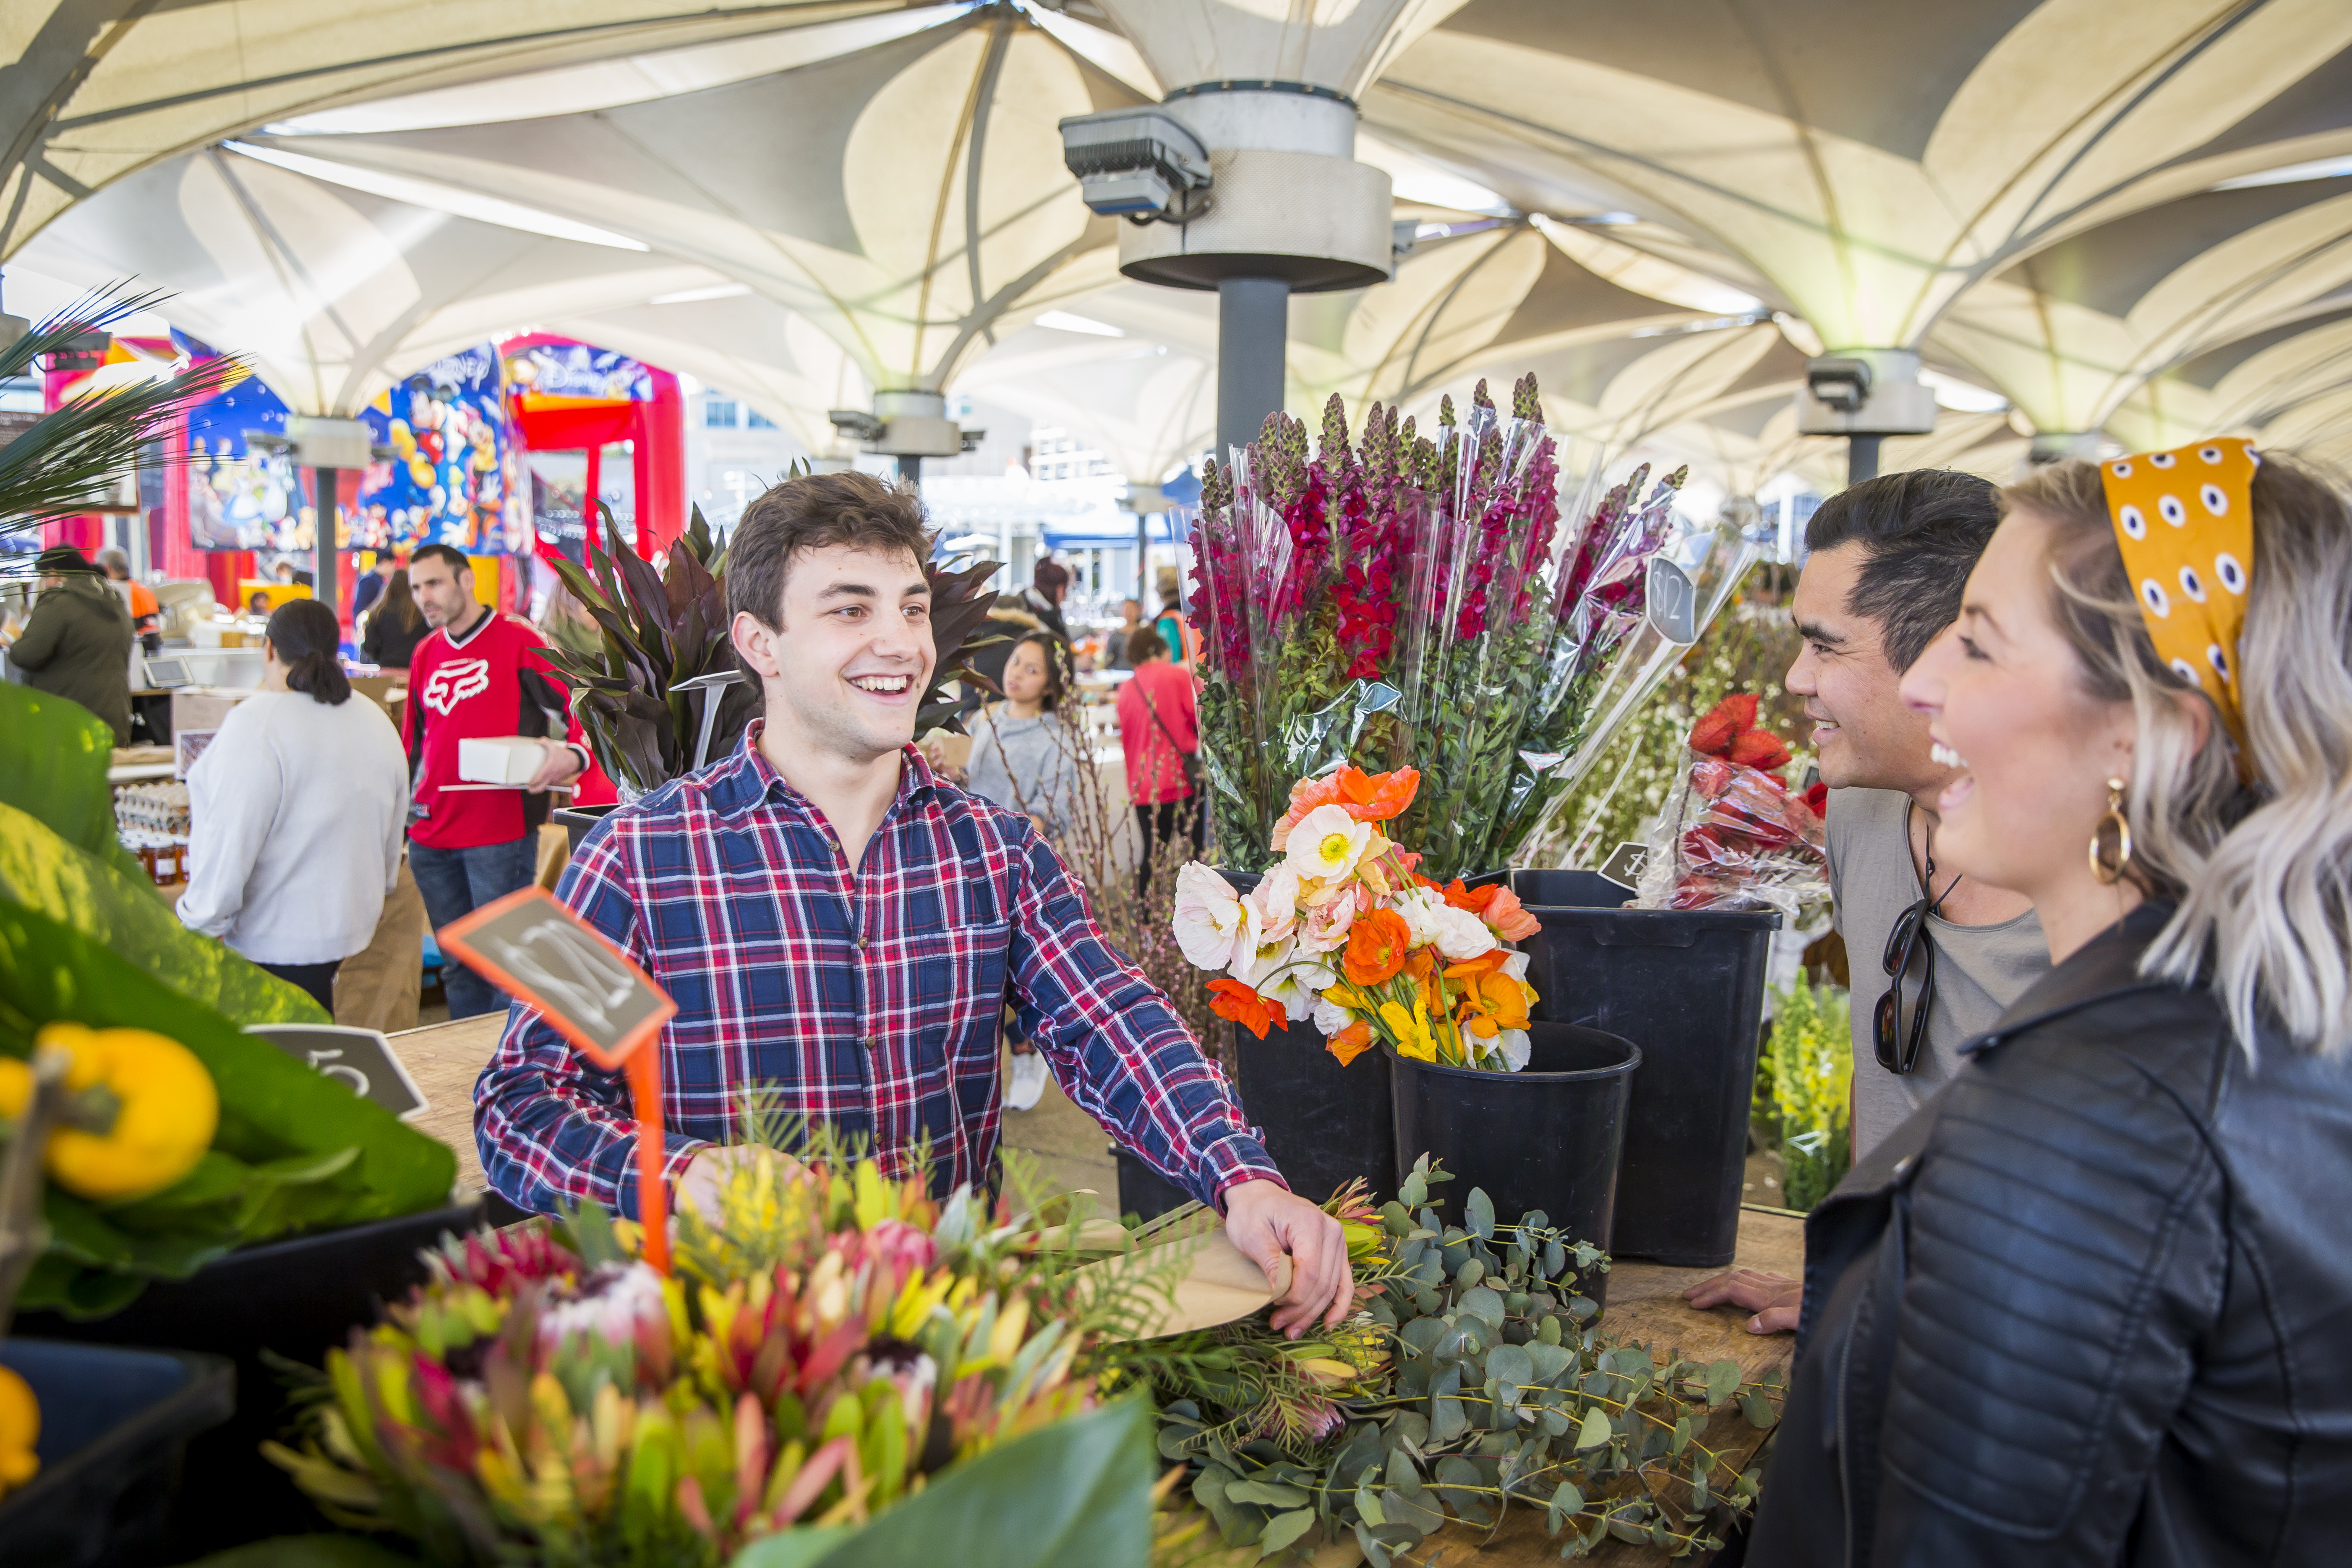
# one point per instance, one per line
(1888, 560)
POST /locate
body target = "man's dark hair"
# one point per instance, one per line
(1920, 534)
(815, 512)
(448, 552)
(1050, 577)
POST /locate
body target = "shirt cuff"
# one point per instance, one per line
(1231, 1161)
(678, 1152)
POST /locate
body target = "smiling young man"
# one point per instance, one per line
(840, 929)
(1888, 561)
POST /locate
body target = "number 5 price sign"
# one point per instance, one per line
(597, 998)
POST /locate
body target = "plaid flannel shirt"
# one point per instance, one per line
(870, 1000)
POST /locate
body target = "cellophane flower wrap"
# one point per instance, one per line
(1343, 930)
(1415, 601)
(1732, 835)
(831, 1342)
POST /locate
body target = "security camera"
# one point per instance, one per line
(1840, 383)
(972, 439)
(1141, 165)
(855, 423)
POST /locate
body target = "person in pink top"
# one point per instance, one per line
(1158, 734)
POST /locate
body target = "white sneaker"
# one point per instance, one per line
(1025, 1085)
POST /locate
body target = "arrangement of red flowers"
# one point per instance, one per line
(1733, 837)
(1426, 599)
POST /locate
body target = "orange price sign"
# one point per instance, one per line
(597, 998)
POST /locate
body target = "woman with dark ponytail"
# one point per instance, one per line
(298, 810)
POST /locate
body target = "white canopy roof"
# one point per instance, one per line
(2125, 215)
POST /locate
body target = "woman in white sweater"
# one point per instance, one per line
(298, 812)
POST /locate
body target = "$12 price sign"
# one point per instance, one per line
(597, 998)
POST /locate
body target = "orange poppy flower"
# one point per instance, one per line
(1350, 1042)
(1367, 797)
(1229, 998)
(1497, 906)
(1376, 944)
(1494, 1001)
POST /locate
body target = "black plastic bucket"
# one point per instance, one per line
(1324, 1124)
(295, 1298)
(1546, 1138)
(114, 1424)
(1688, 987)
(576, 820)
(1142, 1191)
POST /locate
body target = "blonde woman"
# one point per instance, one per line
(2090, 1305)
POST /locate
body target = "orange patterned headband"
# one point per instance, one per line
(2185, 520)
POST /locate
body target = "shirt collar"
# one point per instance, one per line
(748, 778)
(487, 616)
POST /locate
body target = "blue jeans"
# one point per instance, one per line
(457, 882)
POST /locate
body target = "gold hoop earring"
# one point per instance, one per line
(2111, 871)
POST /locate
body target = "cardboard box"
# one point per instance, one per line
(203, 706)
(500, 759)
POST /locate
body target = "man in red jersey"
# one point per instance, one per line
(477, 674)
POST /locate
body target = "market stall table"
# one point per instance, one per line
(1645, 1301)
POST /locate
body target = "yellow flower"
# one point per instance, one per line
(1410, 1030)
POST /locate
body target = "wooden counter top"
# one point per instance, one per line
(1645, 1299)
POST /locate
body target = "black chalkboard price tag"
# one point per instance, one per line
(1625, 865)
(360, 1060)
(592, 992)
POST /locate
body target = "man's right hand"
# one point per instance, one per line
(707, 1174)
(1775, 1298)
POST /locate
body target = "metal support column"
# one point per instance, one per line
(910, 472)
(1862, 458)
(1253, 333)
(327, 485)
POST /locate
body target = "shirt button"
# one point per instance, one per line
(861, 945)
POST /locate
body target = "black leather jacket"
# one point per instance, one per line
(2093, 1304)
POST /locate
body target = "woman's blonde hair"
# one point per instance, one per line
(2261, 873)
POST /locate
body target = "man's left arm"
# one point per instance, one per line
(544, 694)
(1116, 1045)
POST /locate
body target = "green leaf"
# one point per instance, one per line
(1282, 1529)
(1758, 1411)
(1413, 1190)
(1512, 1368)
(54, 770)
(1478, 1215)
(1595, 1431)
(1070, 1495)
(1447, 1419)
(1681, 1434)
(294, 1150)
(1566, 1503)
(1484, 1305)
(43, 872)
(1408, 1503)
(1547, 1357)
(1268, 1494)
(1722, 1381)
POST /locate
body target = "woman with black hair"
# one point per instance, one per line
(395, 627)
(296, 811)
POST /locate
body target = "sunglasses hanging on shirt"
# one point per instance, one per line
(1898, 1047)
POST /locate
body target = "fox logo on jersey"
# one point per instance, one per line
(455, 681)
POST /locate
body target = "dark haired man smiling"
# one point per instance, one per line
(1888, 560)
(841, 929)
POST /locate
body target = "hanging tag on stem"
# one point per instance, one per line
(595, 997)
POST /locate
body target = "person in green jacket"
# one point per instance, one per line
(77, 642)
